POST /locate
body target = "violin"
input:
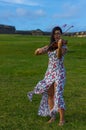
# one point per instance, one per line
(54, 45)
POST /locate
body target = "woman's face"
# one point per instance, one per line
(57, 34)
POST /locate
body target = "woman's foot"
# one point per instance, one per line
(30, 95)
(61, 123)
(52, 119)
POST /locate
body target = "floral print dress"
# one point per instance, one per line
(55, 74)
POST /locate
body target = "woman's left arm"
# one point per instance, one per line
(64, 50)
(59, 50)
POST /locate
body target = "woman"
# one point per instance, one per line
(52, 86)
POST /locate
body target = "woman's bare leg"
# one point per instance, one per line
(51, 96)
(51, 93)
(51, 101)
(61, 114)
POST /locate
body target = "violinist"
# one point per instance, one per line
(52, 85)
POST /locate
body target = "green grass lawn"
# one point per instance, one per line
(20, 70)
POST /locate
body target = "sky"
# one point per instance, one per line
(43, 14)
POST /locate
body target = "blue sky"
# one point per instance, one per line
(43, 14)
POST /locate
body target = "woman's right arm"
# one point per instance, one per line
(41, 50)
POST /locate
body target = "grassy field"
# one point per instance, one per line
(20, 70)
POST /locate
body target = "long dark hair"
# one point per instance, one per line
(52, 40)
(52, 33)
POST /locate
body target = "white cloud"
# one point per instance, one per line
(24, 13)
(68, 11)
(36, 12)
(21, 12)
(40, 12)
(25, 2)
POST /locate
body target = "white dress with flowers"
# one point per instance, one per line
(55, 74)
